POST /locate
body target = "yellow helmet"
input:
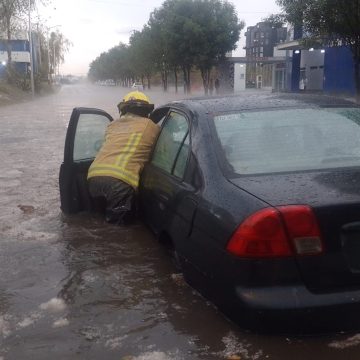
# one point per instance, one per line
(136, 95)
(135, 102)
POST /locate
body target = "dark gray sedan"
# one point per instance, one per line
(258, 199)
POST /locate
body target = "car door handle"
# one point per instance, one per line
(351, 227)
(164, 197)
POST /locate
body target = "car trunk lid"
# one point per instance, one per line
(335, 199)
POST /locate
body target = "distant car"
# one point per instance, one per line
(137, 86)
(108, 82)
(257, 197)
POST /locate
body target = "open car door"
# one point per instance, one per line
(84, 137)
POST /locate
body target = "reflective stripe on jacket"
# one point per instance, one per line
(127, 147)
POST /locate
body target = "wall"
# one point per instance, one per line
(295, 74)
(312, 69)
(20, 55)
(17, 56)
(333, 70)
(239, 77)
(225, 74)
(339, 71)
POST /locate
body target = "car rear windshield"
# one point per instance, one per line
(290, 139)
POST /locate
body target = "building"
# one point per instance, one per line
(328, 69)
(260, 42)
(20, 53)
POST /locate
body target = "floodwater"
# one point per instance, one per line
(78, 288)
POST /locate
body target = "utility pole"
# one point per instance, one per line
(31, 54)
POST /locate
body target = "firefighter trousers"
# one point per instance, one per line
(119, 198)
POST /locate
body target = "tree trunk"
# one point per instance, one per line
(148, 77)
(8, 50)
(164, 78)
(185, 79)
(188, 79)
(187, 84)
(142, 81)
(176, 80)
(205, 74)
(8, 45)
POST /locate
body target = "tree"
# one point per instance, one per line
(143, 54)
(197, 33)
(114, 64)
(329, 22)
(58, 46)
(119, 63)
(275, 20)
(166, 56)
(100, 68)
(220, 31)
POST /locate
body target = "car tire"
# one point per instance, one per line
(176, 260)
(169, 246)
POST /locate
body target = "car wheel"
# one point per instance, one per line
(169, 246)
(176, 260)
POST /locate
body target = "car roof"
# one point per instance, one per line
(258, 101)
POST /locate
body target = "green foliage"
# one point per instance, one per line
(275, 20)
(143, 53)
(294, 10)
(196, 33)
(333, 21)
(114, 64)
(58, 46)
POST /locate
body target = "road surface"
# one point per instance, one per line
(78, 288)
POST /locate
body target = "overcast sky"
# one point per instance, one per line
(95, 26)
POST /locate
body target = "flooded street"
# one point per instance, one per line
(79, 288)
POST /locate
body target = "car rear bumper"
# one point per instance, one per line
(293, 298)
(280, 308)
(294, 309)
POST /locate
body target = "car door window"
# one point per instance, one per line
(181, 160)
(89, 135)
(170, 141)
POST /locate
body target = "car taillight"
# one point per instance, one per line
(275, 232)
(302, 228)
(262, 234)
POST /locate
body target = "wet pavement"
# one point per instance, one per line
(78, 288)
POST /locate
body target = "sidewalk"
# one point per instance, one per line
(11, 94)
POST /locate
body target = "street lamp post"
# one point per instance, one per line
(31, 54)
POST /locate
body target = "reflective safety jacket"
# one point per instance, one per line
(127, 147)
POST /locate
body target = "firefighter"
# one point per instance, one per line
(114, 174)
